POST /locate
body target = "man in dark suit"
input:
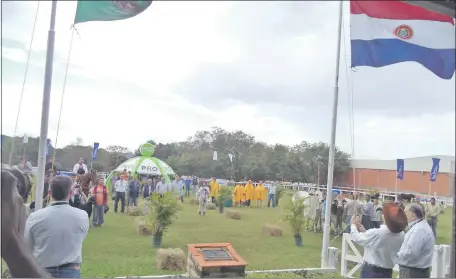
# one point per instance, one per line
(148, 188)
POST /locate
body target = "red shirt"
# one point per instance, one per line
(101, 194)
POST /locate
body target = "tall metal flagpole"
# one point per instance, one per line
(45, 109)
(325, 246)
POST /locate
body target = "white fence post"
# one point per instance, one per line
(343, 260)
(333, 257)
(445, 261)
(436, 258)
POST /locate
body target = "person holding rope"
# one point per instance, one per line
(415, 255)
(380, 245)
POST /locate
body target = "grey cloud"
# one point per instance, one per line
(274, 69)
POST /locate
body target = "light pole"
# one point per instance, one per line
(319, 163)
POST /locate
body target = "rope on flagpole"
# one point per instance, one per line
(73, 30)
(350, 98)
(23, 85)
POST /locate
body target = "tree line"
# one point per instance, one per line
(251, 159)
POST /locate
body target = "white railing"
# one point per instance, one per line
(440, 260)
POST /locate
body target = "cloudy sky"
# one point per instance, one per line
(266, 68)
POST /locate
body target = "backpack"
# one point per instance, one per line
(195, 181)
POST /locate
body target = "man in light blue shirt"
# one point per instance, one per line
(415, 256)
(55, 233)
(271, 195)
(368, 208)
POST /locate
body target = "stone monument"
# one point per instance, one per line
(214, 260)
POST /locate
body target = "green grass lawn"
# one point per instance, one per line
(116, 249)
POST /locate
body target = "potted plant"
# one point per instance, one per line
(162, 213)
(294, 216)
(225, 195)
(280, 191)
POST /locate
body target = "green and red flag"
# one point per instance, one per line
(108, 10)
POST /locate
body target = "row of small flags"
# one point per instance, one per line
(434, 169)
(96, 145)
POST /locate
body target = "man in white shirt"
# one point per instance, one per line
(80, 168)
(162, 187)
(121, 188)
(55, 233)
(25, 166)
(376, 213)
(380, 245)
(202, 195)
(415, 256)
(271, 195)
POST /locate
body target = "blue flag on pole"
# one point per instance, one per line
(48, 147)
(95, 150)
(400, 169)
(435, 169)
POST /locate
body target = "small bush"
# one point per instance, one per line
(233, 214)
(134, 211)
(142, 229)
(194, 201)
(211, 206)
(170, 259)
(272, 230)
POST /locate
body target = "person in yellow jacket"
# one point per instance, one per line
(260, 192)
(237, 195)
(249, 193)
(215, 189)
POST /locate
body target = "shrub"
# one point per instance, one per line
(294, 216)
(163, 212)
(142, 229)
(272, 230)
(233, 214)
(170, 259)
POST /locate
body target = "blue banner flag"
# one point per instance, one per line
(48, 147)
(400, 169)
(95, 150)
(435, 169)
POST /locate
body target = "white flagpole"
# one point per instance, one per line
(45, 109)
(326, 228)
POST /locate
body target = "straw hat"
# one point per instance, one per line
(395, 218)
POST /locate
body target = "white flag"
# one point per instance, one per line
(231, 157)
(25, 139)
(214, 157)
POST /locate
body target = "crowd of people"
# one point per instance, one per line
(367, 207)
(388, 245)
(253, 194)
(42, 238)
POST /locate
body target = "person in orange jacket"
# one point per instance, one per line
(237, 195)
(260, 192)
(249, 193)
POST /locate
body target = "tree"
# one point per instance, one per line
(118, 155)
(252, 159)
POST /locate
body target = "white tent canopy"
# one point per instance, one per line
(146, 166)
